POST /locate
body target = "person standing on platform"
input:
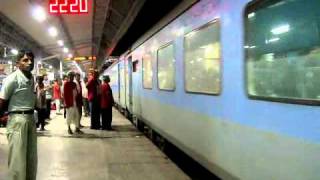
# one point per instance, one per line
(70, 94)
(107, 102)
(85, 97)
(41, 102)
(57, 96)
(94, 99)
(65, 79)
(48, 88)
(79, 97)
(17, 94)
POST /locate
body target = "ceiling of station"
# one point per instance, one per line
(82, 33)
(95, 33)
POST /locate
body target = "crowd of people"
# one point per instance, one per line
(21, 96)
(90, 97)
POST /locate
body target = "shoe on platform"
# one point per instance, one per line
(79, 131)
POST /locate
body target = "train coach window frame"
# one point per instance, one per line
(218, 40)
(135, 64)
(298, 60)
(173, 64)
(143, 70)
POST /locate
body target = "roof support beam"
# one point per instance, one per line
(126, 23)
(14, 37)
(67, 33)
(101, 8)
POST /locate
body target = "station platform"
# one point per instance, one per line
(124, 153)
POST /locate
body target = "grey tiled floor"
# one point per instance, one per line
(96, 155)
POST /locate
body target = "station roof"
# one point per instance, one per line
(108, 28)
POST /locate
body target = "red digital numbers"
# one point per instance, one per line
(68, 6)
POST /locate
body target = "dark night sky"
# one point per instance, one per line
(151, 12)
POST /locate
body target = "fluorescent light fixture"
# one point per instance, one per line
(53, 31)
(272, 40)
(246, 47)
(70, 55)
(65, 50)
(50, 67)
(39, 14)
(14, 51)
(39, 62)
(60, 42)
(251, 47)
(251, 15)
(281, 29)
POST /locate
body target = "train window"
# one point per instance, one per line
(166, 68)
(147, 71)
(135, 66)
(283, 50)
(202, 59)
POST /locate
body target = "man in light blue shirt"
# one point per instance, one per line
(17, 94)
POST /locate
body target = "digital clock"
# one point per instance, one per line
(68, 6)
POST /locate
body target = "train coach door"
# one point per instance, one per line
(129, 84)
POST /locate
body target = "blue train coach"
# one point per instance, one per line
(233, 83)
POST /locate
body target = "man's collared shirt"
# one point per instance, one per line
(19, 90)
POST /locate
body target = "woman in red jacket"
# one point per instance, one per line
(57, 96)
(106, 103)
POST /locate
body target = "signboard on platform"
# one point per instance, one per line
(81, 58)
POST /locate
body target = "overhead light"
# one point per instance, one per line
(272, 40)
(53, 31)
(50, 67)
(14, 51)
(10, 62)
(65, 50)
(60, 42)
(251, 15)
(70, 55)
(39, 62)
(39, 14)
(281, 29)
(250, 47)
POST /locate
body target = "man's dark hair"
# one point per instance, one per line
(24, 52)
(106, 78)
(40, 78)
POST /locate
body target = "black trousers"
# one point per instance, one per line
(80, 113)
(41, 117)
(86, 107)
(48, 110)
(95, 114)
(106, 116)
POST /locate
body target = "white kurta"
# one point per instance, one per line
(72, 112)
